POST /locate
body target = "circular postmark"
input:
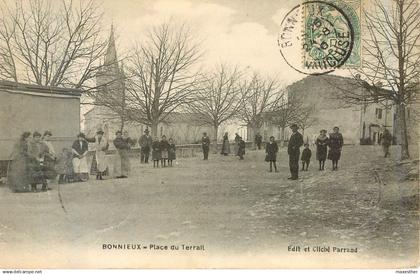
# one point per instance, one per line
(316, 37)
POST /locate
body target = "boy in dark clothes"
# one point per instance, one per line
(156, 155)
(241, 148)
(306, 157)
(271, 150)
(171, 152)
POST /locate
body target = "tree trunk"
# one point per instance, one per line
(215, 132)
(154, 129)
(402, 128)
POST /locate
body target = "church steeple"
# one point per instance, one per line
(111, 52)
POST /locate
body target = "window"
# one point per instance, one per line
(378, 113)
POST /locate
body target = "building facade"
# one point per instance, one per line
(358, 124)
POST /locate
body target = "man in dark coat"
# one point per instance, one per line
(145, 143)
(386, 142)
(293, 149)
(205, 143)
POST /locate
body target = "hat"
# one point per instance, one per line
(36, 133)
(146, 130)
(81, 135)
(47, 132)
(100, 131)
(118, 131)
(294, 126)
(323, 130)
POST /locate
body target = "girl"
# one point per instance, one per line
(271, 150)
(156, 156)
(164, 147)
(171, 152)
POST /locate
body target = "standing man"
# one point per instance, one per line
(145, 143)
(258, 140)
(293, 149)
(205, 143)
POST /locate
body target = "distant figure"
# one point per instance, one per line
(49, 158)
(241, 148)
(258, 140)
(123, 144)
(171, 152)
(101, 146)
(64, 166)
(293, 149)
(271, 149)
(205, 144)
(386, 142)
(164, 150)
(80, 165)
(19, 175)
(156, 155)
(145, 143)
(225, 145)
(36, 153)
(335, 143)
(306, 157)
(236, 144)
(321, 143)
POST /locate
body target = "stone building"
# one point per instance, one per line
(358, 124)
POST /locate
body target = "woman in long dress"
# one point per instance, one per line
(321, 143)
(225, 145)
(80, 165)
(49, 157)
(19, 176)
(101, 146)
(335, 143)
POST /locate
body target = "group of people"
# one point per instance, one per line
(334, 142)
(33, 162)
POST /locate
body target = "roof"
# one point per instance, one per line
(38, 90)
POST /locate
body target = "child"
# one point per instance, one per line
(171, 152)
(271, 150)
(241, 148)
(156, 155)
(306, 157)
(64, 166)
(164, 147)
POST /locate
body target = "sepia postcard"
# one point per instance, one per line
(209, 134)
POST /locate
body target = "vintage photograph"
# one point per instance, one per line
(209, 134)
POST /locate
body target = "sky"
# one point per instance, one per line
(236, 32)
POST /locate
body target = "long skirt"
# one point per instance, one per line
(125, 162)
(101, 161)
(80, 165)
(225, 148)
(334, 154)
(321, 153)
(18, 175)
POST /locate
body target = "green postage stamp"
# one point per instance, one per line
(331, 34)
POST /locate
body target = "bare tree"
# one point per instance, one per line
(305, 118)
(51, 43)
(161, 75)
(218, 99)
(286, 113)
(260, 96)
(391, 58)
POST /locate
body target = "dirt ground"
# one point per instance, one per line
(227, 205)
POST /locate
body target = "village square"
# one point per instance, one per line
(125, 134)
